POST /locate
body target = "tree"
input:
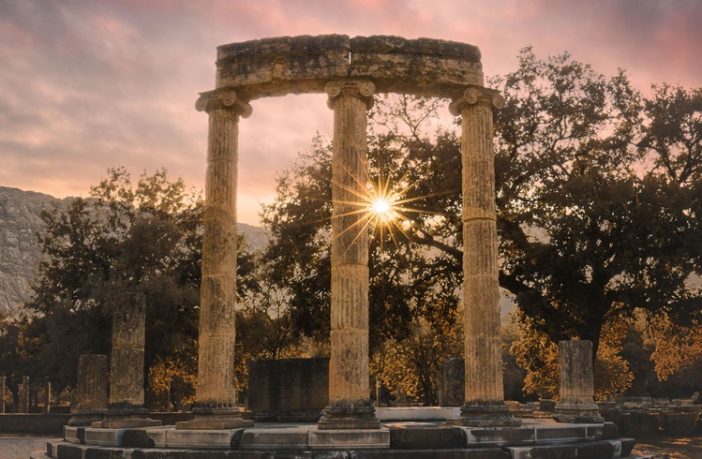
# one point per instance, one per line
(590, 229)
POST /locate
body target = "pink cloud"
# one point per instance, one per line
(94, 84)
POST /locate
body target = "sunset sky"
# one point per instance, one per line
(87, 85)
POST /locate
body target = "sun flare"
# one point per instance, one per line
(381, 207)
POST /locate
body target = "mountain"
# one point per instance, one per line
(20, 222)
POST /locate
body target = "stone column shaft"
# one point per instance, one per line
(576, 392)
(126, 399)
(216, 402)
(91, 390)
(47, 398)
(23, 405)
(484, 393)
(2, 394)
(349, 406)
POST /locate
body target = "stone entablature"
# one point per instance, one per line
(304, 64)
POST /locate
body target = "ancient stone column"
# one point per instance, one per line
(126, 400)
(576, 402)
(47, 397)
(2, 394)
(349, 397)
(91, 390)
(23, 404)
(484, 394)
(216, 404)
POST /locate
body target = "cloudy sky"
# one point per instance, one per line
(87, 85)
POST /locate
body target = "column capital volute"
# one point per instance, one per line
(361, 89)
(223, 99)
(474, 95)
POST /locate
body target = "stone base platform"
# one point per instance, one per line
(535, 438)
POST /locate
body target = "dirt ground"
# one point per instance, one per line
(670, 448)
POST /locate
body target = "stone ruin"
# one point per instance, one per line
(350, 71)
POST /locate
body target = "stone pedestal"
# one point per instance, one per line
(91, 390)
(216, 404)
(452, 383)
(576, 403)
(23, 402)
(484, 393)
(2, 394)
(349, 397)
(126, 400)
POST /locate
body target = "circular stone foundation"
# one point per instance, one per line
(534, 438)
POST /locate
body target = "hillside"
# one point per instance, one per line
(19, 248)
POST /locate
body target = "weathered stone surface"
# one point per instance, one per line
(304, 64)
(680, 424)
(288, 389)
(413, 436)
(2, 394)
(484, 393)
(348, 438)
(91, 390)
(23, 406)
(125, 407)
(201, 438)
(576, 403)
(452, 383)
(216, 404)
(282, 438)
(349, 407)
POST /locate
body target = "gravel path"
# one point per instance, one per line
(14, 446)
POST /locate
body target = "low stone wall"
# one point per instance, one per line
(288, 389)
(33, 423)
(42, 423)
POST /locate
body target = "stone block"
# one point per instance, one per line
(288, 389)
(500, 435)
(640, 424)
(154, 437)
(210, 439)
(417, 413)
(452, 383)
(352, 439)
(67, 451)
(51, 449)
(73, 434)
(426, 436)
(587, 450)
(546, 404)
(106, 453)
(610, 430)
(561, 433)
(680, 424)
(103, 437)
(595, 432)
(275, 438)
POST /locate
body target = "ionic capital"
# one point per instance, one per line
(223, 99)
(361, 89)
(476, 95)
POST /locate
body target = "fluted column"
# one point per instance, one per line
(216, 405)
(576, 392)
(484, 393)
(349, 404)
(126, 406)
(91, 390)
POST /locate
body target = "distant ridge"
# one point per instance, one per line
(20, 222)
